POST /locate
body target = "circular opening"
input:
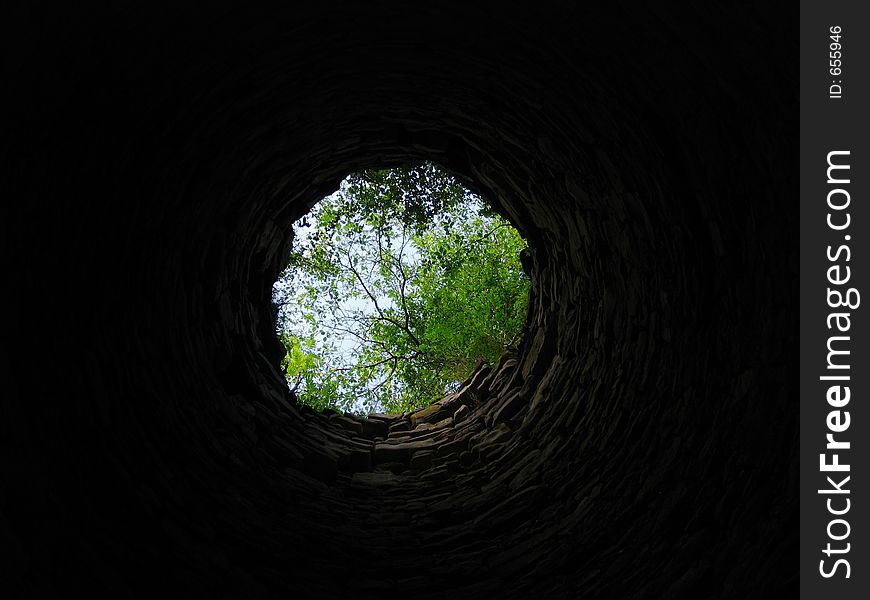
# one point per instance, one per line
(398, 287)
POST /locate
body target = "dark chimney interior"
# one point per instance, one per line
(641, 444)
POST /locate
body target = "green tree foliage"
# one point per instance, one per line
(398, 284)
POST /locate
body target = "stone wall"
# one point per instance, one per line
(642, 443)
